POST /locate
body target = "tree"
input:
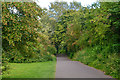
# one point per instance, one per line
(21, 34)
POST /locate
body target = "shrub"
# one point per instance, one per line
(51, 49)
(5, 61)
(100, 57)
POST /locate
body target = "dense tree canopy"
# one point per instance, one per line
(88, 34)
(86, 26)
(22, 37)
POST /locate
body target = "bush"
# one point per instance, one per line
(5, 61)
(51, 49)
(37, 53)
(100, 57)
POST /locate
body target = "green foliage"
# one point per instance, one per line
(90, 33)
(17, 26)
(38, 55)
(51, 49)
(5, 60)
(100, 57)
(22, 40)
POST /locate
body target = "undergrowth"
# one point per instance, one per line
(105, 58)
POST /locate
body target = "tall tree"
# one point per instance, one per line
(20, 23)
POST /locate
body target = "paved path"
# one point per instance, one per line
(66, 68)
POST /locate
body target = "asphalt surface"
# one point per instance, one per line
(66, 68)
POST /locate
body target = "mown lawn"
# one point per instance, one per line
(31, 70)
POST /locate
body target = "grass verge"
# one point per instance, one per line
(31, 70)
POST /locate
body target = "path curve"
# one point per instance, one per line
(66, 68)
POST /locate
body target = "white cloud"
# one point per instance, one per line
(45, 3)
(87, 2)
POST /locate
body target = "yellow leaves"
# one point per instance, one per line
(74, 43)
(92, 21)
(36, 12)
(25, 14)
(52, 18)
(48, 53)
(42, 54)
(53, 55)
(11, 18)
(89, 42)
(71, 33)
(96, 29)
(14, 29)
(5, 23)
(11, 43)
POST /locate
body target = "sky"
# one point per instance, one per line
(45, 3)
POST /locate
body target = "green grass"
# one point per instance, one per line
(31, 70)
(0, 77)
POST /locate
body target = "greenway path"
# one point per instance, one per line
(66, 68)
